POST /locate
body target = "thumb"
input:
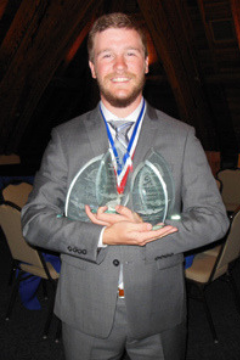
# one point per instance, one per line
(144, 226)
(123, 210)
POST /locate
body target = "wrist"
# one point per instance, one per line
(101, 243)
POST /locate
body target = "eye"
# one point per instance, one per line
(106, 56)
(131, 53)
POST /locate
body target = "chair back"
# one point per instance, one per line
(10, 221)
(219, 184)
(231, 248)
(17, 194)
(230, 188)
(9, 159)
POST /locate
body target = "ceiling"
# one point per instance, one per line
(194, 49)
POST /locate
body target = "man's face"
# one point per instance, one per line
(119, 66)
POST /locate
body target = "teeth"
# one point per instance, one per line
(120, 79)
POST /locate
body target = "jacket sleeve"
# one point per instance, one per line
(203, 217)
(43, 221)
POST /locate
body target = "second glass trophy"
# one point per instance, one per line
(150, 192)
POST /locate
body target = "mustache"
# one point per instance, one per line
(123, 75)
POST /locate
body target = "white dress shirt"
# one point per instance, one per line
(132, 117)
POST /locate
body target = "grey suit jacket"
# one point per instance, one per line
(153, 274)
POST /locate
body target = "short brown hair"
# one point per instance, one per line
(117, 21)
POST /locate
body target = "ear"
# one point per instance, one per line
(146, 63)
(92, 68)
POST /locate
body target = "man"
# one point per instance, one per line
(122, 283)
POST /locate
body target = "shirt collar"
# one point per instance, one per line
(110, 116)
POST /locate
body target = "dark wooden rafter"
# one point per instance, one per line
(215, 89)
(38, 40)
(31, 56)
(16, 33)
(210, 12)
(170, 35)
(113, 6)
(3, 5)
(235, 6)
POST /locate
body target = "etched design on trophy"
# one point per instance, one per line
(82, 191)
(96, 185)
(152, 189)
(106, 184)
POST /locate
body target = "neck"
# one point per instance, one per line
(122, 112)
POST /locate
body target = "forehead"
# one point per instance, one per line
(117, 39)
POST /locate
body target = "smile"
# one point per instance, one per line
(118, 80)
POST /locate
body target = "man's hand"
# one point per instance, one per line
(126, 227)
(130, 233)
(103, 218)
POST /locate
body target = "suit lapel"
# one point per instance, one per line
(147, 135)
(96, 131)
(146, 140)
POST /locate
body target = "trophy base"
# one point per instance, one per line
(157, 227)
(107, 211)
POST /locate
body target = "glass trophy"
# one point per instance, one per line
(152, 189)
(82, 191)
(96, 185)
(150, 192)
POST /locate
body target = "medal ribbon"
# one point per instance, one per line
(128, 157)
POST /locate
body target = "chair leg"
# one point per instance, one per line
(233, 285)
(59, 331)
(12, 273)
(209, 316)
(49, 318)
(13, 297)
(44, 286)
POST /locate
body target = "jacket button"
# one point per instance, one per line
(115, 262)
(84, 252)
(70, 248)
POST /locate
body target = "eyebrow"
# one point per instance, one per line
(126, 49)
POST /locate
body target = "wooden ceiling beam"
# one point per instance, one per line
(32, 55)
(168, 25)
(113, 6)
(3, 5)
(17, 32)
(235, 6)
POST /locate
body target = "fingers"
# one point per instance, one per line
(128, 214)
(102, 217)
(145, 237)
(125, 233)
(96, 218)
(88, 212)
(130, 233)
(101, 210)
(137, 217)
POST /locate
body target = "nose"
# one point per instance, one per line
(120, 63)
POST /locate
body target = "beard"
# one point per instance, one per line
(122, 101)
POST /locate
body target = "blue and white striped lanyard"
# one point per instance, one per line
(129, 152)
